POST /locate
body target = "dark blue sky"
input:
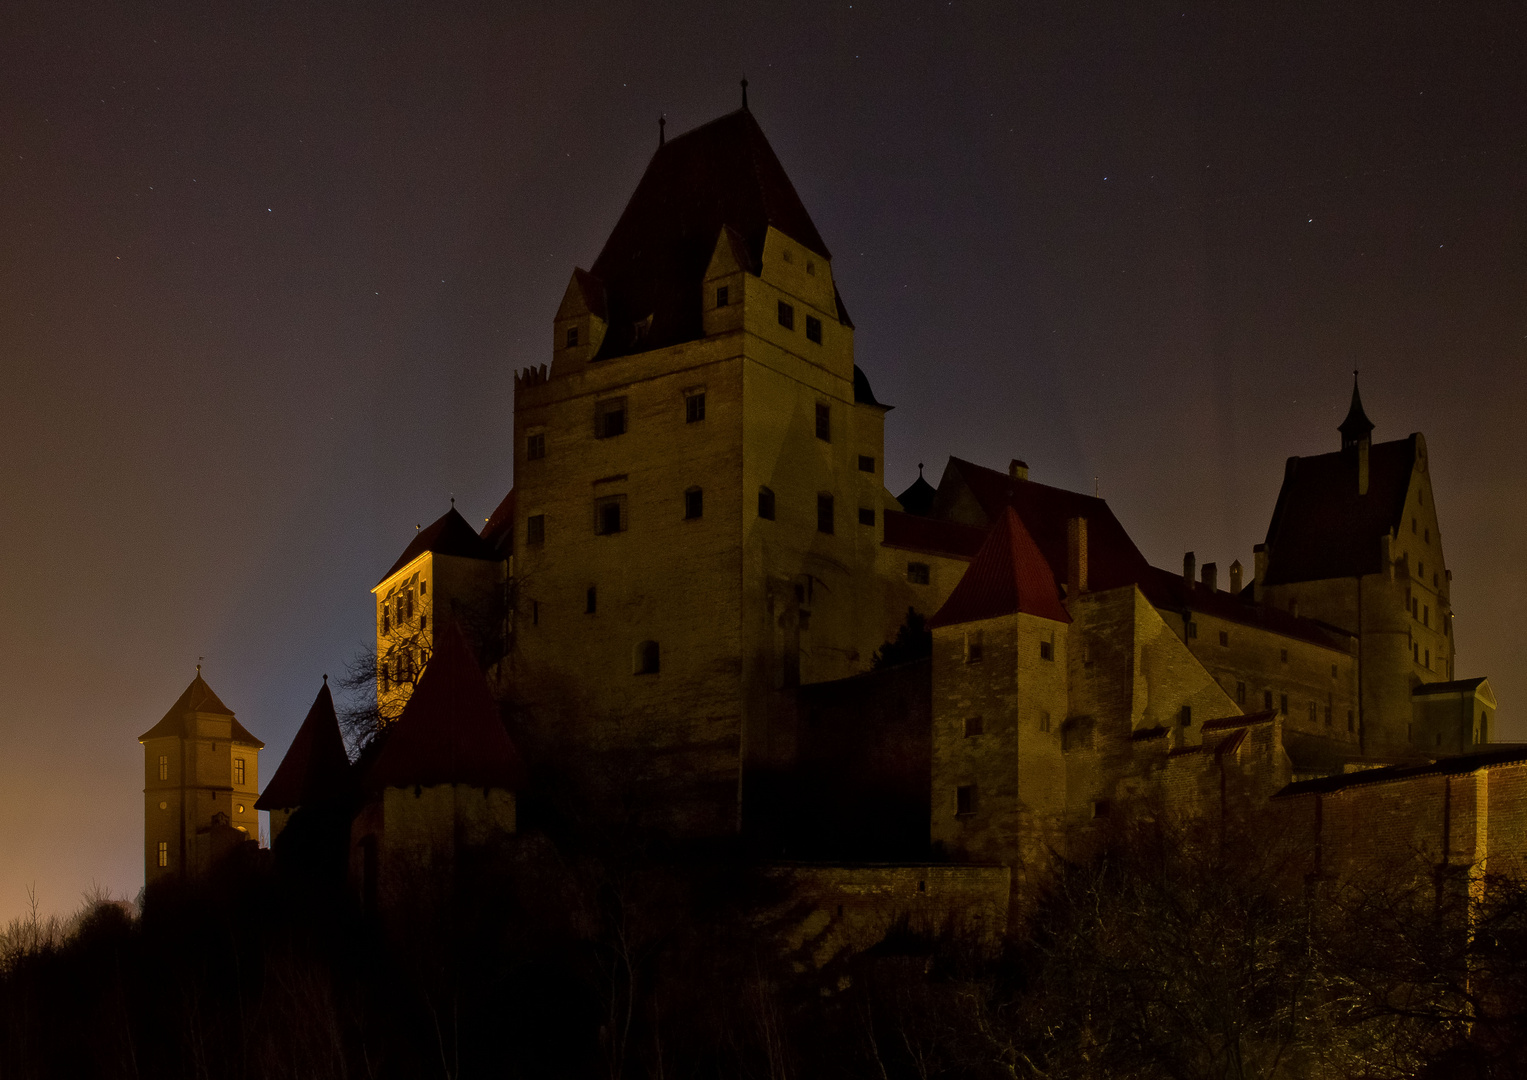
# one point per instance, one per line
(266, 271)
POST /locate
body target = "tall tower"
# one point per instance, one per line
(201, 772)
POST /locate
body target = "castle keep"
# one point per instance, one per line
(676, 609)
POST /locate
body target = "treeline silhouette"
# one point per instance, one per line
(1174, 953)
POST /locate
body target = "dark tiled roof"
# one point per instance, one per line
(315, 767)
(448, 534)
(499, 530)
(918, 498)
(1515, 754)
(1227, 723)
(1356, 426)
(723, 173)
(197, 698)
(1322, 528)
(1008, 575)
(450, 731)
(932, 535)
(1457, 686)
(1167, 590)
(863, 395)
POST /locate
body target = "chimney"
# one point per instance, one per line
(1362, 467)
(1076, 556)
(1211, 576)
(1017, 470)
(1188, 567)
(1235, 578)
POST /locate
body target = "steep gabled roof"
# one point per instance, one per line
(450, 731)
(1009, 575)
(499, 529)
(197, 698)
(315, 767)
(723, 173)
(1322, 528)
(449, 534)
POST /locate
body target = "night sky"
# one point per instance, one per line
(267, 270)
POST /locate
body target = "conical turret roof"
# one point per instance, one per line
(1009, 575)
(315, 766)
(1356, 427)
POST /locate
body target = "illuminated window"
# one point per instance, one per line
(164, 767)
(164, 853)
(238, 770)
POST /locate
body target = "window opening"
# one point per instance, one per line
(572, 337)
(1047, 650)
(917, 573)
(824, 513)
(975, 647)
(694, 503)
(591, 600)
(866, 463)
(609, 515)
(766, 504)
(610, 418)
(164, 767)
(824, 422)
(813, 329)
(866, 516)
(694, 408)
(974, 725)
(535, 529)
(723, 296)
(786, 316)
(535, 446)
(647, 658)
(965, 800)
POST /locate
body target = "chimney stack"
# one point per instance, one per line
(1235, 578)
(1076, 556)
(1189, 565)
(1211, 576)
(1017, 470)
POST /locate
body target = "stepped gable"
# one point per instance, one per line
(197, 698)
(723, 173)
(1009, 575)
(316, 767)
(1112, 558)
(1322, 528)
(499, 530)
(449, 534)
(450, 731)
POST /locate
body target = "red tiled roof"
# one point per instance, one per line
(499, 530)
(1008, 575)
(450, 731)
(197, 698)
(449, 534)
(932, 535)
(315, 766)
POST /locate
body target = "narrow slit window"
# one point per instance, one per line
(648, 658)
(824, 422)
(965, 800)
(591, 600)
(572, 337)
(694, 504)
(824, 513)
(766, 503)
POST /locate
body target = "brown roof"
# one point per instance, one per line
(1008, 575)
(723, 173)
(932, 535)
(316, 766)
(1450, 766)
(919, 495)
(1456, 686)
(499, 529)
(1322, 528)
(449, 534)
(197, 698)
(450, 731)
(1167, 590)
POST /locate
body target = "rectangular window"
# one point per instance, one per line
(535, 446)
(1351, 721)
(1224, 637)
(164, 767)
(1046, 650)
(866, 516)
(824, 513)
(694, 408)
(1192, 629)
(1333, 671)
(1328, 716)
(1283, 704)
(786, 316)
(591, 601)
(694, 504)
(535, 529)
(572, 337)
(1313, 715)
(866, 463)
(1267, 700)
(824, 422)
(238, 770)
(974, 725)
(723, 296)
(917, 573)
(1283, 655)
(1044, 721)
(164, 853)
(610, 418)
(1426, 615)
(535, 613)
(965, 800)
(648, 658)
(1185, 718)
(766, 504)
(1240, 693)
(813, 329)
(975, 647)
(609, 515)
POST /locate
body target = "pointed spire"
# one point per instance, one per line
(662, 122)
(1356, 428)
(744, 94)
(316, 766)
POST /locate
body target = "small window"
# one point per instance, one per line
(723, 296)
(423, 622)
(917, 573)
(1283, 704)
(786, 316)
(1240, 693)
(975, 647)
(813, 329)
(824, 422)
(535, 613)
(1426, 615)
(1351, 720)
(1046, 650)
(238, 770)
(610, 418)
(1426, 536)
(164, 767)
(1267, 700)
(609, 515)
(591, 600)
(824, 513)
(647, 658)
(1428, 658)
(694, 408)
(766, 504)
(1100, 808)
(694, 504)
(974, 725)
(535, 446)
(1283, 655)
(1412, 526)
(965, 800)
(572, 337)
(1185, 718)
(1192, 629)
(535, 529)
(866, 516)
(811, 267)
(1044, 721)
(866, 463)
(1333, 671)
(1328, 715)
(424, 588)
(1313, 714)
(1224, 638)
(164, 853)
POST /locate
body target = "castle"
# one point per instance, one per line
(679, 604)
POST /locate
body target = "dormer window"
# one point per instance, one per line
(572, 337)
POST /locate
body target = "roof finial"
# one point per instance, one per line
(199, 659)
(453, 500)
(662, 122)
(744, 93)
(326, 678)
(919, 470)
